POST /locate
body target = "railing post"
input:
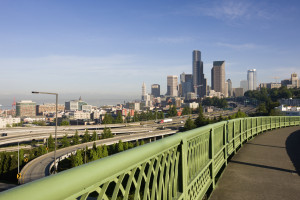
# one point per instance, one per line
(234, 143)
(212, 155)
(184, 167)
(225, 141)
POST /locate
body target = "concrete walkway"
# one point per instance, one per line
(267, 167)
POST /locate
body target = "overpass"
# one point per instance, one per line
(183, 166)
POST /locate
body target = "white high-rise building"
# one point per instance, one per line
(251, 78)
(172, 86)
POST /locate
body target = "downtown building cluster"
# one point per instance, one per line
(194, 86)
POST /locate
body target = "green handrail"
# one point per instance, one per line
(182, 166)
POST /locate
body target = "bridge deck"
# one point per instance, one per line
(267, 167)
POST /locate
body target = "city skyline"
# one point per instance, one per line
(105, 50)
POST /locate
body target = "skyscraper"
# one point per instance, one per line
(186, 81)
(218, 77)
(172, 84)
(244, 85)
(144, 92)
(251, 78)
(229, 87)
(199, 82)
(155, 90)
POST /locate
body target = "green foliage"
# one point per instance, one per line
(40, 151)
(126, 146)
(65, 123)
(261, 109)
(100, 151)
(186, 111)
(65, 141)
(94, 136)
(75, 139)
(172, 111)
(39, 123)
(135, 116)
(76, 159)
(201, 120)
(86, 137)
(108, 119)
(215, 101)
(189, 124)
(239, 114)
(93, 154)
(130, 145)
(119, 118)
(105, 151)
(142, 142)
(106, 133)
(51, 143)
(120, 146)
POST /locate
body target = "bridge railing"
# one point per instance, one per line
(182, 166)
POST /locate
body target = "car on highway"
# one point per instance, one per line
(3, 134)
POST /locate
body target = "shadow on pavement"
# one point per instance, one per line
(263, 166)
(293, 149)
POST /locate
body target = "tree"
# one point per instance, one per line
(6, 163)
(105, 151)
(106, 133)
(200, 120)
(77, 159)
(93, 155)
(142, 142)
(135, 116)
(172, 111)
(120, 146)
(100, 151)
(130, 145)
(119, 118)
(108, 119)
(189, 124)
(262, 110)
(128, 117)
(86, 136)
(65, 141)
(126, 146)
(51, 143)
(76, 138)
(94, 136)
(40, 151)
(186, 110)
(65, 123)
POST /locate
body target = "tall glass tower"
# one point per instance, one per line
(199, 82)
(251, 78)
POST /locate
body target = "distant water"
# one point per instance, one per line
(6, 104)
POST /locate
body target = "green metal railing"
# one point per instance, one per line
(182, 166)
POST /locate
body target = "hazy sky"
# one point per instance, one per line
(106, 49)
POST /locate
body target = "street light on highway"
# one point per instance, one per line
(56, 94)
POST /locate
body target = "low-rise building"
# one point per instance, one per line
(5, 121)
(289, 110)
(49, 108)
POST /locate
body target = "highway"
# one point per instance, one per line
(27, 134)
(40, 166)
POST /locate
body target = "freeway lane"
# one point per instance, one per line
(39, 167)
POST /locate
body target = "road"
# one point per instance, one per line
(39, 167)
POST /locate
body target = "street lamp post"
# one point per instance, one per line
(56, 94)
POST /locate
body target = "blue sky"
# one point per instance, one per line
(106, 49)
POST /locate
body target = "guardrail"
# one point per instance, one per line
(182, 166)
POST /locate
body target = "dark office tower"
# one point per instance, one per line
(199, 82)
(155, 90)
(218, 77)
(186, 81)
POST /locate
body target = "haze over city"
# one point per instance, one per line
(104, 51)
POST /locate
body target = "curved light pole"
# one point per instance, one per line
(56, 94)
